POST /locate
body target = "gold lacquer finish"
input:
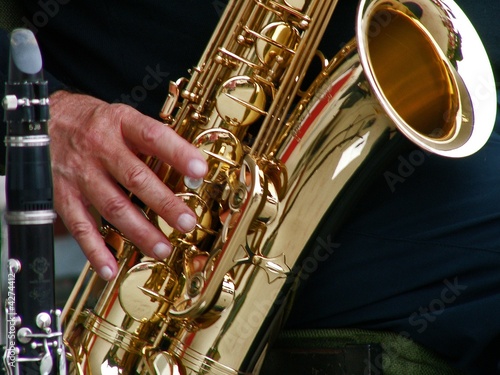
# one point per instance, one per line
(441, 84)
(417, 73)
(278, 159)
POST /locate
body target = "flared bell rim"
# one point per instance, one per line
(467, 63)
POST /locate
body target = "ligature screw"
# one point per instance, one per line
(11, 102)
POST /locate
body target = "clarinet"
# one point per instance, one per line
(33, 342)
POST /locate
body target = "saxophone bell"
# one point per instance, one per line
(279, 159)
(438, 87)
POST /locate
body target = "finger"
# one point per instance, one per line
(154, 138)
(138, 178)
(83, 228)
(72, 208)
(117, 209)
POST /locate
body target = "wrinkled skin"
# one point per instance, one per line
(93, 149)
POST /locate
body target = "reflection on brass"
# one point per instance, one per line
(277, 41)
(241, 101)
(415, 71)
(279, 156)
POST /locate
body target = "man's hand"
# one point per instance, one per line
(93, 148)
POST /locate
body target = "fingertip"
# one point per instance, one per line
(186, 222)
(103, 262)
(162, 250)
(197, 168)
(106, 273)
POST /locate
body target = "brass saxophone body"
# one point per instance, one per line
(279, 157)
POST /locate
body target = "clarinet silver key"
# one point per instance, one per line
(34, 342)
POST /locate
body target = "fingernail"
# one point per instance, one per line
(197, 168)
(162, 250)
(186, 222)
(106, 273)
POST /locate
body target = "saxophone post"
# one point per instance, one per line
(281, 158)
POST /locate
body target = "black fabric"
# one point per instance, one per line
(484, 18)
(110, 48)
(128, 51)
(420, 254)
(118, 51)
(419, 257)
(421, 260)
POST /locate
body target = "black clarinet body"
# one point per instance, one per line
(33, 329)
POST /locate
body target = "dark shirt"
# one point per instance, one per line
(128, 51)
(123, 51)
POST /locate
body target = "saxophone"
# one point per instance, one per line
(280, 156)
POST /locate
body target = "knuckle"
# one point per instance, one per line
(136, 178)
(169, 206)
(80, 230)
(86, 234)
(115, 113)
(142, 233)
(117, 110)
(114, 207)
(92, 253)
(152, 133)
